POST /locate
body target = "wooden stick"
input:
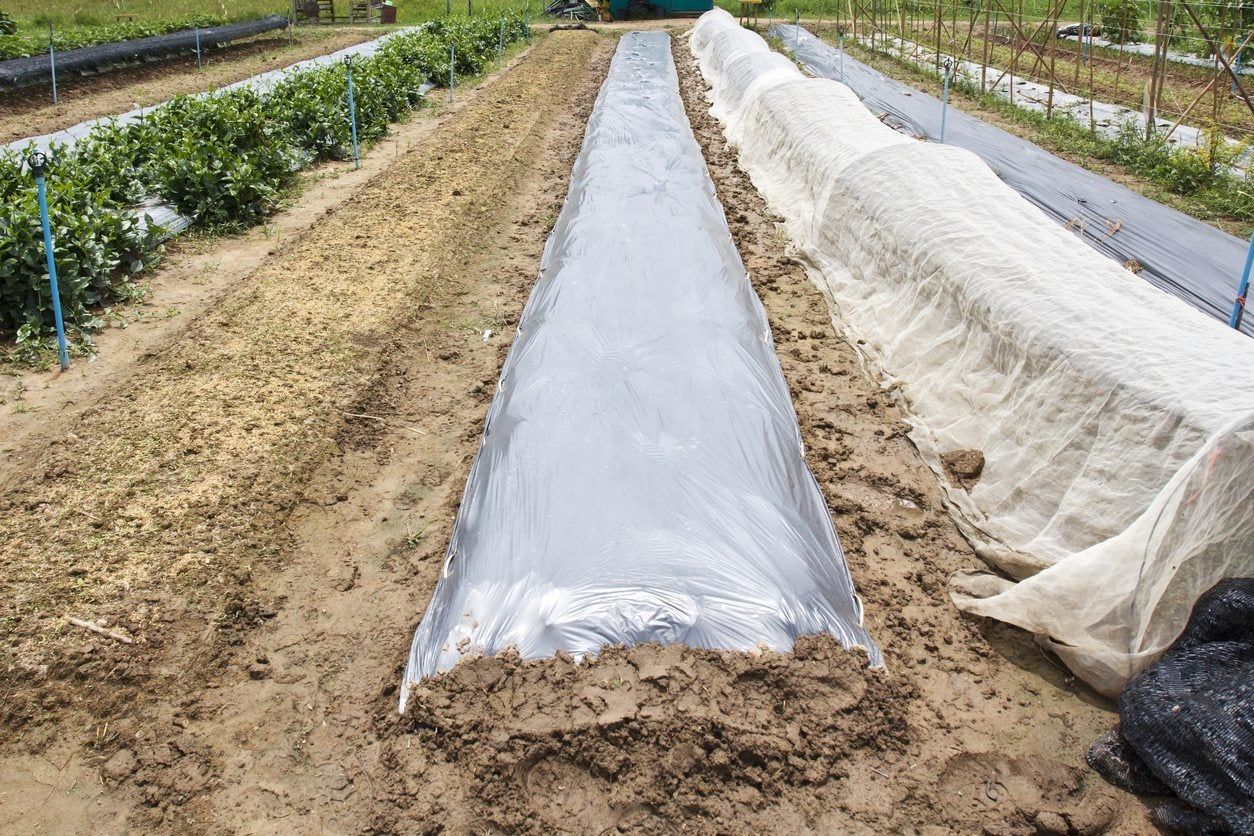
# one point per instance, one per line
(98, 630)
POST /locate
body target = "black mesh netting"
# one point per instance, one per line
(1186, 724)
(24, 70)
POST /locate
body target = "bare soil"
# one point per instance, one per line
(28, 111)
(264, 500)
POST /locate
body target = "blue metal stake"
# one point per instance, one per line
(949, 65)
(52, 62)
(452, 70)
(842, 58)
(1243, 289)
(198, 64)
(352, 110)
(500, 38)
(527, 21)
(37, 161)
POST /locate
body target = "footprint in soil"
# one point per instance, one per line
(566, 795)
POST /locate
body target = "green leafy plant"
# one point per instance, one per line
(7, 25)
(1121, 21)
(100, 246)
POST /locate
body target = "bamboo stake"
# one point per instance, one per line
(1213, 82)
(984, 51)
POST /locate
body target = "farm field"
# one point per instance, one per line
(218, 534)
(28, 111)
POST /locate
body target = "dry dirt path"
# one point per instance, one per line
(232, 490)
(29, 111)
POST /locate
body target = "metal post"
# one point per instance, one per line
(1243, 289)
(352, 110)
(52, 62)
(796, 30)
(199, 65)
(949, 65)
(842, 57)
(527, 22)
(452, 69)
(500, 38)
(37, 161)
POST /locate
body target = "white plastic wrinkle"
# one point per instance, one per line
(641, 477)
(1092, 394)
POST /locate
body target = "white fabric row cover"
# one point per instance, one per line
(1115, 420)
(641, 477)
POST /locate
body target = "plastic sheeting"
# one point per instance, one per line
(1104, 407)
(641, 477)
(1182, 255)
(17, 71)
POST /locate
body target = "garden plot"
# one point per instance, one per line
(30, 112)
(264, 503)
(641, 477)
(66, 138)
(1187, 258)
(1089, 393)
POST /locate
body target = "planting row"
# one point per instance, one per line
(224, 161)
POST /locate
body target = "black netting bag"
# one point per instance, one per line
(1188, 720)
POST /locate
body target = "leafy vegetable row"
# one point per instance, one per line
(224, 160)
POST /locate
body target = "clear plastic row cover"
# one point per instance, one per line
(641, 476)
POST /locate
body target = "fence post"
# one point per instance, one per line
(527, 21)
(52, 63)
(949, 65)
(842, 57)
(500, 38)
(199, 65)
(37, 161)
(1243, 289)
(452, 69)
(352, 110)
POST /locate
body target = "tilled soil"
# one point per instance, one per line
(28, 111)
(254, 504)
(265, 506)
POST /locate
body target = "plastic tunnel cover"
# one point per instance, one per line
(641, 476)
